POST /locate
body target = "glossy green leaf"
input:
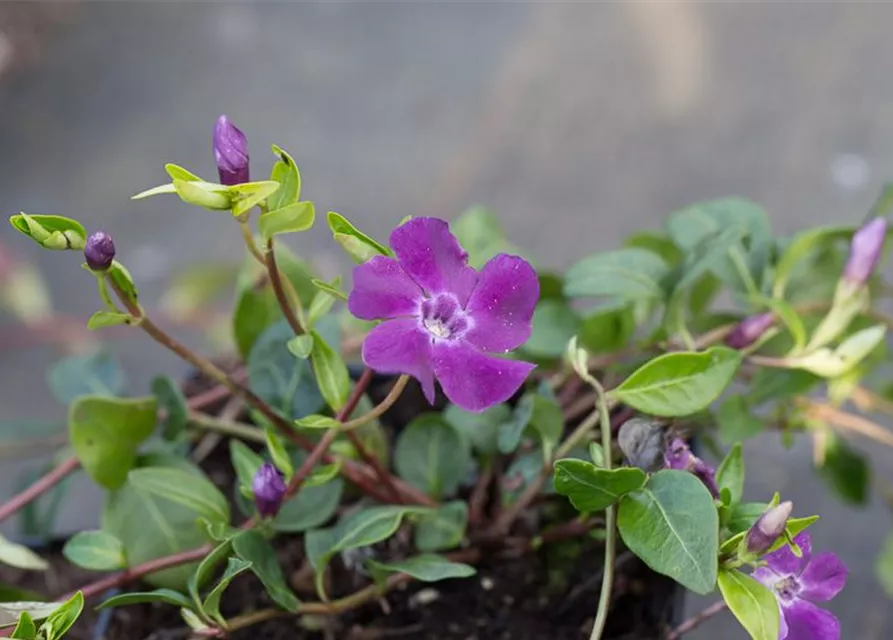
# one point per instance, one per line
(330, 372)
(21, 557)
(207, 195)
(193, 491)
(25, 629)
(752, 603)
(95, 550)
(427, 567)
(177, 172)
(119, 274)
(441, 528)
(431, 456)
(554, 323)
(627, 274)
(358, 245)
(254, 548)
(167, 596)
(95, 374)
(171, 399)
(247, 195)
(315, 503)
(279, 455)
(301, 346)
(51, 232)
(591, 489)
(293, 218)
(103, 319)
(735, 420)
(62, 619)
(680, 383)
(672, 525)
(156, 191)
(206, 568)
(730, 474)
(211, 604)
(480, 430)
(106, 433)
(286, 173)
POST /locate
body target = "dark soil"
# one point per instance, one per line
(548, 594)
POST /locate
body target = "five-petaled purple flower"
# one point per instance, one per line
(230, 152)
(269, 490)
(442, 318)
(797, 583)
(865, 251)
(678, 456)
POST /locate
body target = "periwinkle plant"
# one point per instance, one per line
(538, 370)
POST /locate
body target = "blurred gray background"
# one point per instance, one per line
(578, 123)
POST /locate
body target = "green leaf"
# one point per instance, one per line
(331, 289)
(480, 234)
(211, 605)
(122, 278)
(51, 232)
(315, 503)
(171, 399)
(252, 546)
(11, 611)
(803, 244)
(21, 557)
(753, 604)
(206, 569)
(431, 456)
(25, 629)
(103, 319)
(95, 550)
(167, 596)
(62, 619)
(480, 430)
(193, 491)
(736, 422)
(772, 384)
(245, 462)
(316, 421)
(607, 329)
(672, 525)
(441, 528)
(301, 346)
(358, 245)
(511, 431)
(834, 363)
(280, 456)
(627, 274)
(157, 191)
(680, 383)
(427, 567)
(591, 489)
(791, 319)
(177, 172)
(95, 374)
(846, 471)
(330, 373)
(247, 195)
(294, 218)
(730, 474)
(547, 420)
(743, 515)
(286, 173)
(708, 254)
(106, 432)
(554, 323)
(323, 302)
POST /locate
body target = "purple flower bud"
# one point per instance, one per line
(678, 456)
(767, 529)
(865, 251)
(269, 489)
(749, 330)
(99, 251)
(230, 152)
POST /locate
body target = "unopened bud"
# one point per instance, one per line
(749, 330)
(99, 252)
(865, 251)
(230, 152)
(678, 456)
(768, 528)
(269, 489)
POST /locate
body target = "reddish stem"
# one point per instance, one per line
(478, 499)
(279, 289)
(44, 484)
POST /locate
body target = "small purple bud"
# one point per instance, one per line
(99, 252)
(865, 251)
(767, 529)
(230, 152)
(678, 456)
(269, 489)
(749, 330)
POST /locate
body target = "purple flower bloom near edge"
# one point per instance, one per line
(230, 152)
(678, 456)
(442, 318)
(797, 583)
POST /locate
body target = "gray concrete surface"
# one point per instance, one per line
(577, 122)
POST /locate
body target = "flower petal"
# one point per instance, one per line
(502, 304)
(381, 289)
(473, 380)
(782, 624)
(401, 346)
(766, 575)
(784, 562)
(823, 577)
(807, 622)
(433, 257)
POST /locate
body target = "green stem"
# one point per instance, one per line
(604, 600)
(226, 427)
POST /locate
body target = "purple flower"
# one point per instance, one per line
(678, 456)
(230, 152)
(749, 330)
(865, 251)
(767, 529)
(269, 489)
(442, 317)
(797, 583)
(99, 251)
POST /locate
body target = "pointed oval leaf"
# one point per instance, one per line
(193, 491)
(21, 557)
(25, 629)
(627, 274)
(591, 489)
(95, 550)
(330, 372)
(286, 173)
(730, 474)
(103, 319)
(167, 596)
(428, 567)
(358, 245)
(752, 603)
(171, 399)
(62, 619)
(293, 218)
(211, 605)
(254, 548)
(51, 232)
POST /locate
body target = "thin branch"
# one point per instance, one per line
(604, 599)
(846, 421)
(697, 620)
(279, 289)
(41, 486)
